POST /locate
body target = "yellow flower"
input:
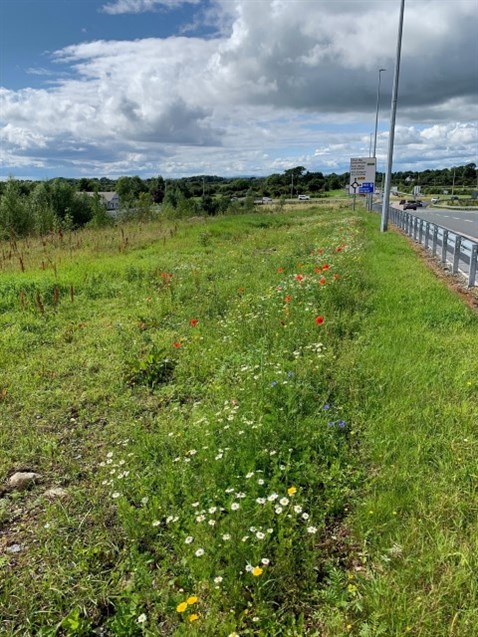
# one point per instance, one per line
(191, 600)
(181, 607)
(351, 588)
(256, 571)
(291, 490)
(193, 617)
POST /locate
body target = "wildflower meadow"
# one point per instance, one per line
(198, 394)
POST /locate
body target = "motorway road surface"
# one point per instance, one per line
(463, 222)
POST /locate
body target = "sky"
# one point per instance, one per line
(93, 88)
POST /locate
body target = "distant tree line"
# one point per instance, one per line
(39, 207)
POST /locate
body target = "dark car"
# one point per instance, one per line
(410, 205)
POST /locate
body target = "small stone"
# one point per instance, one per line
(13, 548)
(55, 492)
(23, 479)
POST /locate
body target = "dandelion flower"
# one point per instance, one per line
(180, 608)
(257, 571)
(194, 617)
(291, 490)
(191, 600)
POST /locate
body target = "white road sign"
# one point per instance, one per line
(362, 171)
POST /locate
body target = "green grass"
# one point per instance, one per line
(178, 386)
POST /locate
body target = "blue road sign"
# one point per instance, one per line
(366, 186)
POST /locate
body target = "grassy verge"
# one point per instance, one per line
(261, 425)
(415, 379)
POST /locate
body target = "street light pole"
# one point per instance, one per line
(380, 71)
(393, 116)
(377, 107)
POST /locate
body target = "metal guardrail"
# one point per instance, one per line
(447, 246)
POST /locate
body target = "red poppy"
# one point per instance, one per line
(288, 299)
(299, 277)
(326, 266)
(319, 320)
(280, 270)
(177, 344)
(322, 281)
(193, 322)
(240, 290)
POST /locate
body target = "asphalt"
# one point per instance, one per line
(464, 222)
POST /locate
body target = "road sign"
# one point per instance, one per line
(362, 171)
(366, 187)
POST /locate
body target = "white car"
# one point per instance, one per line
(266, 200)
(303, 197)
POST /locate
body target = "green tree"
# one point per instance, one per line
(15, 216)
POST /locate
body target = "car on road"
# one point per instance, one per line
(266, 200)
(303, 197)
(410, 205)
(435, 199)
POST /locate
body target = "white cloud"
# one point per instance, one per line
(142, 6)
(282, 83)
